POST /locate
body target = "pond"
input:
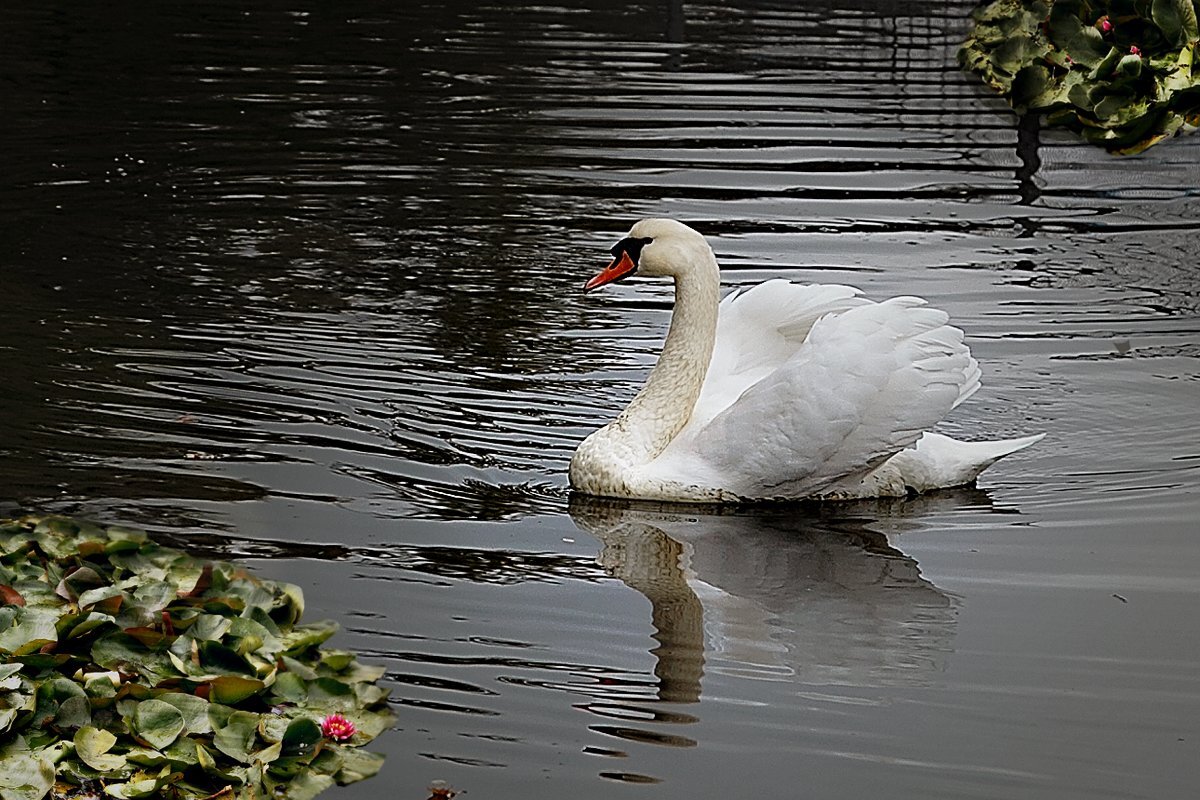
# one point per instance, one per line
(300, 285)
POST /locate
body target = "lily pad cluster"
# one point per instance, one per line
(1122, 73)
(131, 670)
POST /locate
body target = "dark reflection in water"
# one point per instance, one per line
(282, 204)
(777, 594)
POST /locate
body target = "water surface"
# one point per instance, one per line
(300, 285)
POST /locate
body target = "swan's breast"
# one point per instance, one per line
(606, 464)
(599, 466)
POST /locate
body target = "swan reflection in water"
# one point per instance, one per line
(802, 595)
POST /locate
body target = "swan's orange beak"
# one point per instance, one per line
(619, 268)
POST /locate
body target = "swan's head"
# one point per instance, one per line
(653, 247)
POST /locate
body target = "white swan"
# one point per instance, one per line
(783, 391)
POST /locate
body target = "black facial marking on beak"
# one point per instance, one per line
(631, 246)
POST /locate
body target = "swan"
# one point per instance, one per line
(782, 392)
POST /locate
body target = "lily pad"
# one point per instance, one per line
(1118, 72)
(172, 676)
(32, 629)
(193, 709)
(236, 737)
(290, 688)
(25, 776)
(358, 765)
(307, 786)
(231, 689)
(157, 723)
(331, 695)
(75, 712)
(92, 746)
(1177, 20)
(302, 736)
(142, 784)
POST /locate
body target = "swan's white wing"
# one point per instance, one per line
(760, 329)
(864, 385)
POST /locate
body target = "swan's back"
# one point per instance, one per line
(758, 331)
(863, 382)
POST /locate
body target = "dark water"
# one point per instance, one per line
(300, 284)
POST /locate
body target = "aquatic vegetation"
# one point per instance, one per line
(1122, 73)
(128, 669)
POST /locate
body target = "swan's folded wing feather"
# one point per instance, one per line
(864, 385)
(760, 329)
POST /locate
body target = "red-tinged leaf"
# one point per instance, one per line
(91, 548)
(227, 606)
(11, 596)
(43, 661)
(76, 581)
(147, 636)
(135, 690)
(202, 583)
(230, 689)
(109, 605)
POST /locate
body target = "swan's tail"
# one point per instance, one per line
(943, 462)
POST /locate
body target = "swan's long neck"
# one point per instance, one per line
(665, 403)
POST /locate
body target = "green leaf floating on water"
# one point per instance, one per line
(301, 737)
(157, 723)
(193, 709)
(236, 737)
(92, 745)
(231, 689)
(1176, 19)
(1119, 72)
(24, 775)
(131, 670)
(31, 629)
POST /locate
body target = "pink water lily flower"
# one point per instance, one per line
(1104, 25)
(337, 728)
(1134, 50)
